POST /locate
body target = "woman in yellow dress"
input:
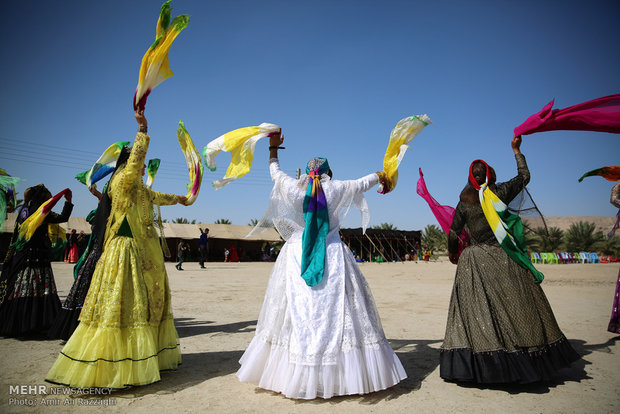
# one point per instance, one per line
(126, 334)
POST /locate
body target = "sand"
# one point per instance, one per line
(216, 311)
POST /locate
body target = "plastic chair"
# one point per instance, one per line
(594, 258)
(584, 257)
(535, 258)
(563, 257)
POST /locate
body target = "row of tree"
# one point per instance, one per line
(580, 236)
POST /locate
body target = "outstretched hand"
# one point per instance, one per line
(68, 196)
(516, 144)
(276, 139)
(140, 118)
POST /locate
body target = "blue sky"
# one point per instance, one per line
(335, 75)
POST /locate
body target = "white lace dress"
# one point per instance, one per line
(325, 340)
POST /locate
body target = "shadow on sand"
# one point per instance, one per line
(196, 368)
(187, 327)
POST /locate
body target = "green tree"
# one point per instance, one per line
(541, 240)
(434, 238)
(385, 226)
(182, 220)
(582, 236)
(611, 247)
(222, 221)
(253, 222)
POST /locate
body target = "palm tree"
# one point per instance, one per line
(182, 220)
(253, 222)
(385, 226)
(611, 247)
(222, 221)
(582, 236)
(545, 240)
(434, 238)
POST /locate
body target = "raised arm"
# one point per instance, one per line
(66, 211)
(509, 190)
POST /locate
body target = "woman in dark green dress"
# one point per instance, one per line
(500, 325)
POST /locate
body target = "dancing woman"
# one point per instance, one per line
(67, 320)
(318, 333)
(126, 334)
(500, 325)
(28, 298)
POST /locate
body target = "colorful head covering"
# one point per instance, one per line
(506, 226)
(316, 223)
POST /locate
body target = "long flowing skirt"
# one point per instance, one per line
(614, 321)
(29, 300)
(67, 320)
(126, 334)
(500, 325)
(319, 341)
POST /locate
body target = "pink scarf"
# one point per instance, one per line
(602, 115)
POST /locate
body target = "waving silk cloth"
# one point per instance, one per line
(506, 226)
(103, 166)
(443, 214)
(316, 227)
(194, 163)
(602, 115)
(608, 173)
(32, 223)
(240, 143)
(7, 195)
(151, 171)
(155, 67)
(403, 133)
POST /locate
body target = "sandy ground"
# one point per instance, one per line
(216, 311)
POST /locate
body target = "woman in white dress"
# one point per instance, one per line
(318, 333)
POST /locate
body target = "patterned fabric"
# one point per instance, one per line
(241, 144)
(601, 114)
(403, 133)
(155, 67)
(506, 226)
(496, 314)
(194, 163)
(325, 340)
(33, 281)
(316, 223)
(127, 317)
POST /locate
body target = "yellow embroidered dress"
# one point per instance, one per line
(126, 334)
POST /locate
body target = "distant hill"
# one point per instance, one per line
(603, 224)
